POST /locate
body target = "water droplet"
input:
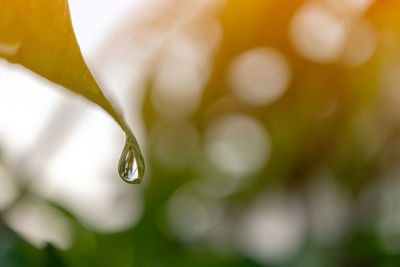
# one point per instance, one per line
(131, 163)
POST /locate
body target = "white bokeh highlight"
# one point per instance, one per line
(259, 76)
(318, 33)
(190, 216)
(183, 69)
(39, 223)
(237, 144)
(273, 229)
(22, 119)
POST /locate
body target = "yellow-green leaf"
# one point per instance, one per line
(38, 34)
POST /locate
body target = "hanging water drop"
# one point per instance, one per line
(131, 163)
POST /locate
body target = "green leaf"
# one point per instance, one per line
(38, 34)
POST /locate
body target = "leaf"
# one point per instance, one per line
(38, 34)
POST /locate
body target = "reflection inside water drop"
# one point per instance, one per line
(131, 163)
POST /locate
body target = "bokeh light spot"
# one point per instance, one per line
(273, 229)
(40, 223)
(183, 70)
(190, 216)
(259, 76)
(237, 144)
(318, 33)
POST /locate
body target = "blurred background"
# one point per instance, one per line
(270, 128)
